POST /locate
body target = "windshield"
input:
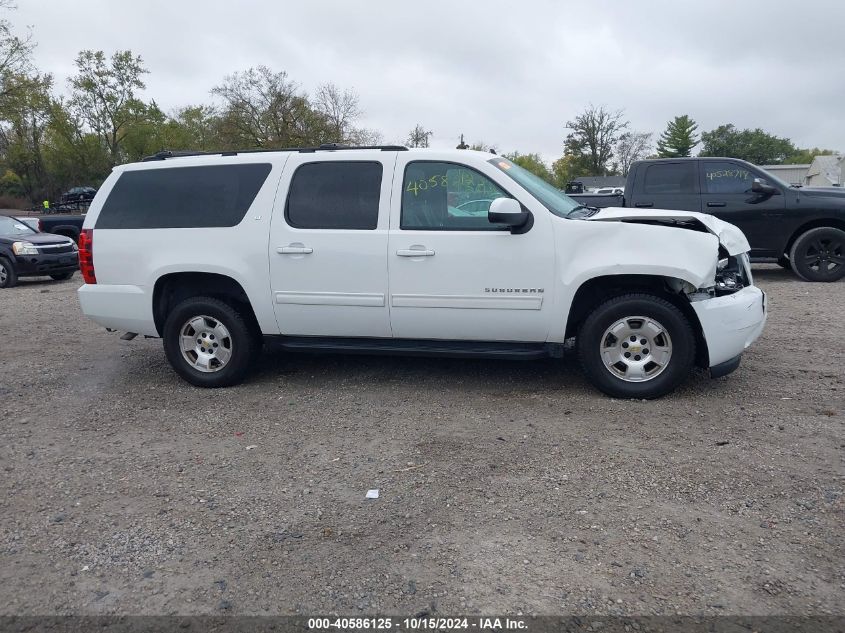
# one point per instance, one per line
(551, 197)
(13, 227)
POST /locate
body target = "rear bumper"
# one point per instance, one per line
(40, 265)
(730, 324)
(124, 308)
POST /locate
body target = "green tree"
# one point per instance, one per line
(104, 96)
(567, 168)
(755, 146)
(678, 138)
(25, 113)
(533, 163)
(806, 156)
(73, 155)
(594, 135)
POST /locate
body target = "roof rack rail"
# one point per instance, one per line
(325, 147)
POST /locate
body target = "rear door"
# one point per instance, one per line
(726, 193)
(328, 245)
(667, 185)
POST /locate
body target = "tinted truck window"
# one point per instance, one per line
(726, 178)
(182, 197)
(335, 195)
(670, 178)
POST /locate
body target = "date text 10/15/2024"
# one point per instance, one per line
(416, 624)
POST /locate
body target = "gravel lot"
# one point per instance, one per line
(505, 487)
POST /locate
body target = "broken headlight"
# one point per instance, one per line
(731, 274)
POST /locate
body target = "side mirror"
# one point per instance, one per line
(758, 185)
(507, 211)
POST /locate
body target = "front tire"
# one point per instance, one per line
(819, 255)
(209, 343)
(8, 276)
(636, 346)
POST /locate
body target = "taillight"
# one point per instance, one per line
(86, 256)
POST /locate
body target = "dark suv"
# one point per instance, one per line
(24, 252)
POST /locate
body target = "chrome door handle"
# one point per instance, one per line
(412, 252)
(294, 250)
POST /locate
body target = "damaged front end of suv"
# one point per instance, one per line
(713, 274)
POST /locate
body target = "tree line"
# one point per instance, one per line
(601, 142)
(50, 141)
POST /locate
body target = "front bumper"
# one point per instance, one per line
(731, 323)
(46, 264)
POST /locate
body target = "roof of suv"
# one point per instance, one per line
(325, 147)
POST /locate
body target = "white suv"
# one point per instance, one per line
(385, 249)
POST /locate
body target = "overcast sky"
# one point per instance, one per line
(505, 72)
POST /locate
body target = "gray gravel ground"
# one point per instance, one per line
(505, 486)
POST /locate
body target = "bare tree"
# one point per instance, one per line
(418, 137)
(340, 108)
(15, 51)
(263, 108)
(594, 135)
(631, 147)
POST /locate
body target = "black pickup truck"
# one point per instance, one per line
(801, 228)
(61, 224)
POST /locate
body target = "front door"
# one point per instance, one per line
(455, 276)
(328, 246)
(726, 193)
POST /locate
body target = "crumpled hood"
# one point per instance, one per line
(730, 237)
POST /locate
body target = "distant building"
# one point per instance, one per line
(826, 171)
(598, 182)
(793, 174)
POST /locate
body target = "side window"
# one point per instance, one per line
(726, 178)
(670, 178)
(335, 195)
(182, 197)
(447, 197)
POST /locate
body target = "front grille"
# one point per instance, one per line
(55, 249)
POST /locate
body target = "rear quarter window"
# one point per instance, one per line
(182, 197)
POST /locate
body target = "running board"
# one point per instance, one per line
(410, 347)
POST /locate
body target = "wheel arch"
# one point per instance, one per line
(172, 288)
(597, 290)
(66, 231)
(818, 223)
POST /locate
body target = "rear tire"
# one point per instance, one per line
(819, 255)
(209, 343)
(61, 276)
(614, 357)
(8, 276)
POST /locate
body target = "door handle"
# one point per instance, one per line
(716, 204)
(644, 205)
(413, 252)
(294, 249)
